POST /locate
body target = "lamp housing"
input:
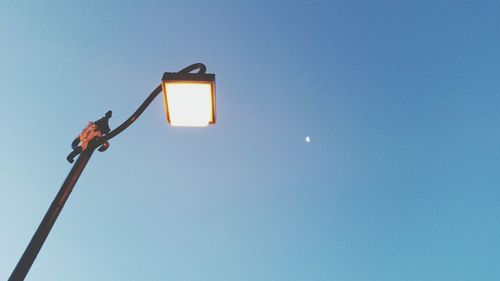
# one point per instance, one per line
(189, 98)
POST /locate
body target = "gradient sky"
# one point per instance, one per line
(401, 100)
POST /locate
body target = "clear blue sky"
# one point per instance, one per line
(401, 100)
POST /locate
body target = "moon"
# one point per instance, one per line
(308, 139)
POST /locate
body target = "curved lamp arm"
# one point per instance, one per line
(134, 116)
(201, 69)
(102, 142)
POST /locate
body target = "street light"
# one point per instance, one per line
(189, 101)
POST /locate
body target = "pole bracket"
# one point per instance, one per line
(89, 137)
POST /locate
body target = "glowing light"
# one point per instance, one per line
(308, 139)
(189, 103)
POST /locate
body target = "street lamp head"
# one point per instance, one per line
(189, 98)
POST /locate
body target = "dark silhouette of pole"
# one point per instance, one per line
(36, 243)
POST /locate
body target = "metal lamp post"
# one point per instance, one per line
(189, 101)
